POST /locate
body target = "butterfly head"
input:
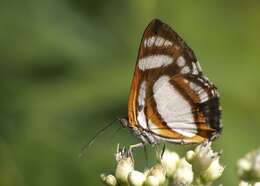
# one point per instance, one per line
(124, 122)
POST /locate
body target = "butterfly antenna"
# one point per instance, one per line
(116, 131)
(91, 141)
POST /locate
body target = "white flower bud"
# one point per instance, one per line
(152, 181)
(159, 172)
(169, 162)
(183, 175)
(124, 167)
(136, 178)
(109, 180)
(244, 166)
(203, 157)
(214, 171)
(256, 184)
(256, 165)
(243, 183)
(190, 156)
(249, 166)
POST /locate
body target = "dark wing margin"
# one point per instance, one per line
(158, 28)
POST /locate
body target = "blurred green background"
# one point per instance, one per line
(66, 68)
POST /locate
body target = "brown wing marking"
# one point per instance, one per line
(200, 120)
(157, 28)
(132, 100)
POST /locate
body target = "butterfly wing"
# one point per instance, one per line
(170, 97)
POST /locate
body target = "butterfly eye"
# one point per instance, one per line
(124, 122)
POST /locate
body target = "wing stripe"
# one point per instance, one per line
(154, 61)
(170, 104)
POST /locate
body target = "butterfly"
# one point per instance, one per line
(170, 100)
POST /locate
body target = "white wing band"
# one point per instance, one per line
(154, 61)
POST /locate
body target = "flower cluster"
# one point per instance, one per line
(249, 169)
(198, 167)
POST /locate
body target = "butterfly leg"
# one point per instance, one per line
(121, 153)
(145, 156)
(159, 152)
(163, 150)
(131, 147)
